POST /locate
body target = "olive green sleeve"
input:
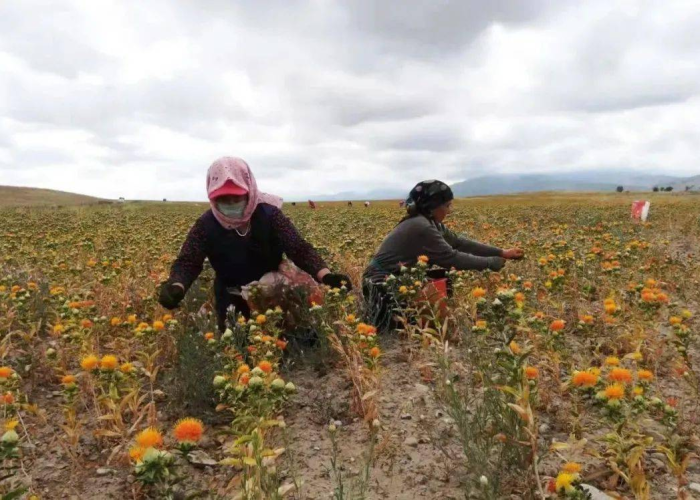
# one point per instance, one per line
(468, 246)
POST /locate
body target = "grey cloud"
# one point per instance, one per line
(43, 35)
(435, 28)
(348, 92)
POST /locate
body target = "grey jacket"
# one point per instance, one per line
(421, 236)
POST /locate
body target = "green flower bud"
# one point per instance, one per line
(151, 455)
(10, 437)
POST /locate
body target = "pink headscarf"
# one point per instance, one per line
(237, 171)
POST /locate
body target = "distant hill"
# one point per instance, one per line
(568, 181)
(25, 196)
(494, 184)
(692, 183)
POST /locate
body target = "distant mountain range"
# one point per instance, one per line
(591, 180)
(692, 183)
(569, 181)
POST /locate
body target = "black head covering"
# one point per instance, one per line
(426, 196)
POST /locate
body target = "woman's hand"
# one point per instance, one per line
(171, 294)
(337, 280)
(513, 253)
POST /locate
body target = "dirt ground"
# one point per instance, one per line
(412, 459)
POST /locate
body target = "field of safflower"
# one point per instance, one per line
(570, 374)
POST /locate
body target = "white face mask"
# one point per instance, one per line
(233, 210)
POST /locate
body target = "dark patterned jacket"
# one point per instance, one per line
(238, 260)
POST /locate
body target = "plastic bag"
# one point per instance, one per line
(287, 277)
(640, 210)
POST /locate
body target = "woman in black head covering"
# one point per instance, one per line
(421, 232)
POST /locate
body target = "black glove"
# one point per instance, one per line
(496, 263)
(170, 295)
(437, 273)
(336, 280)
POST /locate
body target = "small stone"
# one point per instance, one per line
(424, 439)
(595, 493)
(406, 416)
(659, 464)
(199, 457)
(317, 448)
(438, 414)
(423, 389)
(411, 441)
(103, 471)
(694, 487)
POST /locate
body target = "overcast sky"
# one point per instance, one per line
(137, 98)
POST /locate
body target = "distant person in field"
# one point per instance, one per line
(422, 232)
(244, 235)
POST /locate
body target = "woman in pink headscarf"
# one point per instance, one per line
(244, 235)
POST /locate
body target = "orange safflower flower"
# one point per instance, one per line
(557, 325)
(531, 372)
(374, 352)
(615, 391)
(86, 323)
(265, 366)
(68, 379)
(281, 344)
(261, 319)
(620, 375)
(158, 325)
(514, 347)
(8, 398)
(645, 375)
(89, 363)
(244, 379)
(243, 369)
(149, 438)
(136, 453)
(571, 467)
(188, 430)
(109, 362)
(586, 319)
(126, 368)
(478, 292)
(584, 379)
(209, 335)
(115, 321)
(612, 361)
(423, 258)
(6, 372)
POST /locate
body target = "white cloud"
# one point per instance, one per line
(136, 99)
